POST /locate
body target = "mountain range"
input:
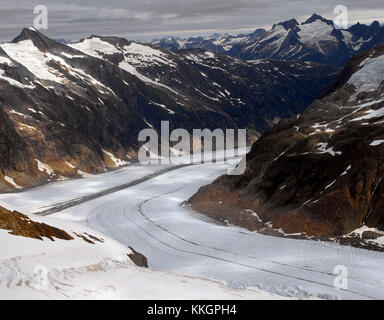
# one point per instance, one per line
(316, 39)
(72, 109)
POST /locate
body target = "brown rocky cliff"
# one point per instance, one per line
(320, 173)
(19, 224)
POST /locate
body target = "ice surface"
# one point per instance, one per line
(77, 269)
(311, 34)
(150, 218)
(370, 76)
(33, 59)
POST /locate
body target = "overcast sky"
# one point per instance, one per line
(147, 19)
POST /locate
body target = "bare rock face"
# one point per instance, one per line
(138, 258)
(320, 173)
(71, 109)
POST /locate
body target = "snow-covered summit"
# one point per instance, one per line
(315, 39)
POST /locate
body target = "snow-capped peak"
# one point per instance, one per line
(316, 39)
(95, 46)
(288, 25)
(316, 17)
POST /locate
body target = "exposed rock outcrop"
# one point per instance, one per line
(19, 224)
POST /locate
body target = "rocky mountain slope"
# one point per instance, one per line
(70, 109)
(247, 94)
(320, 173)
(315, 39)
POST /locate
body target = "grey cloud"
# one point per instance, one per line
(146, 19)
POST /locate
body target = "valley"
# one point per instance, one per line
(150, 217)
(119, 177)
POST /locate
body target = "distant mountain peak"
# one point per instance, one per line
(42, 42)
(39, 40)
(375, 25)
(316, 40)
(316, 17)
(288, 24)
(218, 35)
(26, 34)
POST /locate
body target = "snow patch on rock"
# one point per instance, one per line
(12, 182)
(44, 168)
